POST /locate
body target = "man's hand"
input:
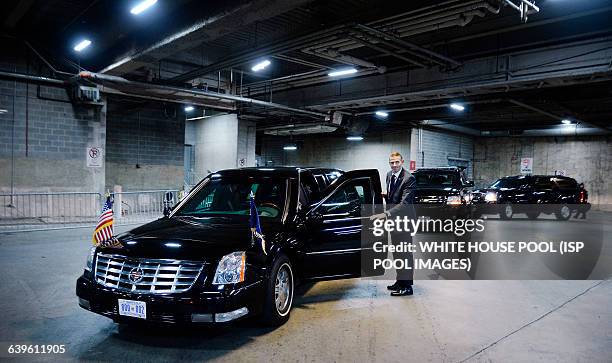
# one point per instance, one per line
(378, 216)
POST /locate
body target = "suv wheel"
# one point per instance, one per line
(506, 211)
(564, 213)
(279, 293)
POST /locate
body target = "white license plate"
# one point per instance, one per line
(136, 309)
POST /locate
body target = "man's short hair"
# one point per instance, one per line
(395, 154)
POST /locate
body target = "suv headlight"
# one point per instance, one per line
(491, 197)
(230, 269)
(453, 200)
(90, 258)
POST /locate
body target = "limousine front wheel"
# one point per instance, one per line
(279, 294)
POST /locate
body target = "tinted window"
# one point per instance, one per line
(566, 183)
(231, 196)
(348, 199)
(544, 183)
(509, 183)
(436, 178)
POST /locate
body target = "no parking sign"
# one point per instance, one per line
(94, 157)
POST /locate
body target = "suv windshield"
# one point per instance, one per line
(508, 183)
(436, 178)
(223, 196)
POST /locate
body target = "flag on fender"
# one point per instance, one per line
(103, 234)
(256, 234)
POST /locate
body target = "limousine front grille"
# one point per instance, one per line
(146, 276)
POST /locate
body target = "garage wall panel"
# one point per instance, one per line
(587, 159)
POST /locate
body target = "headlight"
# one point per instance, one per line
(90, 258)
(453, 200)
(230, 269)
(491, 197)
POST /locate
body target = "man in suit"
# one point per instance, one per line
(400, 196)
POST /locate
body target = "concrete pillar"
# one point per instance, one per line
(223, 142)
(96, 138)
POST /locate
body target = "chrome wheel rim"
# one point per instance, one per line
(508, 211)
(565, 211)
(283, 289)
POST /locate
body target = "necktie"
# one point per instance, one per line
(392, 185)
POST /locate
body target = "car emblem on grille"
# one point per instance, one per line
(136, 274)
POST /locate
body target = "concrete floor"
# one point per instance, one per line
(344, 321)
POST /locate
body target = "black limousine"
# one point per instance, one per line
(443, 192)
(200, 264)
(532, 195)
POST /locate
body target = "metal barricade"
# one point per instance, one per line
(34, 211)
(140, 206)
(43, 211)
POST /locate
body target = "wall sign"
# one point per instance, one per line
(412, 165)
(526, 165)
(95, 157)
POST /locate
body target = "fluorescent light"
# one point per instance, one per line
(457, 107)
(189, 108)
(2, 110)
(290, 147)
(342, 72)
(82, 45)
(354, 138)
(566, 122)
(173, 245)
(261, 65)
(381, 114)
(142, 6)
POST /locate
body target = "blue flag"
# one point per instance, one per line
(256, 234)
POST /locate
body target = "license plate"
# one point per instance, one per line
(135, 309)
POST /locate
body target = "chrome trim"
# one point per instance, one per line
(160, 276)
(348, 250)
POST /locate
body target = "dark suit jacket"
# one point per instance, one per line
(401, 195)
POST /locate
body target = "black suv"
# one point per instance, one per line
(442, 192)
(204, 263)
(532, 195)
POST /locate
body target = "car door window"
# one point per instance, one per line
(347, 200)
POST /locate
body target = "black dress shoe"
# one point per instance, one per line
(396, 286)
(403, 291)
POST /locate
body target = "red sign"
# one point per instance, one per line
(412, 165)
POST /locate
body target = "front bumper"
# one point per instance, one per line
(193, 306)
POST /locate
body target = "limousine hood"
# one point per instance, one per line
(193, 238)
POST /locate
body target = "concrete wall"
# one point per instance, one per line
(145, 146)
(440, 148)
(337, 152)
(587, 159)
(44, 137)
(222, 142)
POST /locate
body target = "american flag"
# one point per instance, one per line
(104, 230)
(254, 224)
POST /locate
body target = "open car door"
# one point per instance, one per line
(334, 225)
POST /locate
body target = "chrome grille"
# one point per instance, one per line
(156, 276)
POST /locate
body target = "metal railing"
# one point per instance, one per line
(42, 211)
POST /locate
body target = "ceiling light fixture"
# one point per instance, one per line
(566, 122)
(382, 114)
(189, 108)
(354, 138)
(457, 107)
(142, 6)
(260, 66)
(290, 147)
(342, 72)
(82, 45)
(3, 110)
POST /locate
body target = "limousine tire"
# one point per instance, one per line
(506, 211)
(279, 293)
(564, 213)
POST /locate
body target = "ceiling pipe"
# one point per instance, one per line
(27, 77)
(102, 78)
